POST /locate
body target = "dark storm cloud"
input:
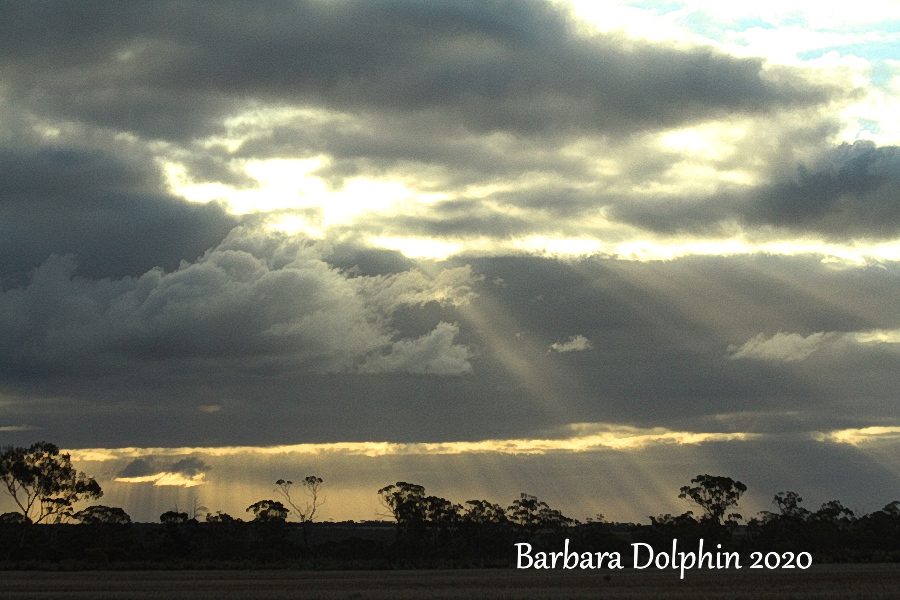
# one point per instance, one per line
(139, 467)
(851, 192)
(143, 467)
(190, 466)
(172, 70)
(111, 213)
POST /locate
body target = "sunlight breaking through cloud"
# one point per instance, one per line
(165, 478)
(585, 437)
(857, 437)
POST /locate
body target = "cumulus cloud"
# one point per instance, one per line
(782, 346)
(789, 347)
(432, 354)
(576, 343)
(253, 300)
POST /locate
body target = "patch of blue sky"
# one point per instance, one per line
(870, 126)
(657, 7)
(874, 52)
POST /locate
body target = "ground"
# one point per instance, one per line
(870, 582)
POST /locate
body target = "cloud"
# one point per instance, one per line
(187, 472)
(665, 325)
(112, 212)
(525, 67)
(781, 346)
(847, 193)
(790, 347)
(251, 302)
(576, 343)
(860, 436)
(139, 467)
(576, 437)
(431, 354)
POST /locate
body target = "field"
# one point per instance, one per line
(871, 582)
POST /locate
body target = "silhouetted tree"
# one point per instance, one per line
(834, 513)
(305, 512)
(311, 486)
(406, 503)
(96, 515)
(269, 527)
(43, 483)
(715, 495)
(221, 517)
(173, 517)
(105, 533)
(268, 511)
(533, 517)
(226, 537)
(440, 517)
(485, 529)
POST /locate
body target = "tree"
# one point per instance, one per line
(405, 501)
(441, 516)
(788, 504)
(535, 516)
(102, 515)
(835, 513)
(482, 512)
(311, 485)
(715, 495)
(268, 511)
(173, 517)
(43, 483)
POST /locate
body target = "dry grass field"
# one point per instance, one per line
(870, 582)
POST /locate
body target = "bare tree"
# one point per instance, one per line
(197, 509)
(304, 510)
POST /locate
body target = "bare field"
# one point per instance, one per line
(870, 582)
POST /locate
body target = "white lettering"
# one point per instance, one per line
(636, 551)
(525, 554)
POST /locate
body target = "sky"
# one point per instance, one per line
(584, 250)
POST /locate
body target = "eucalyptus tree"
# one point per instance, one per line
(43, 483)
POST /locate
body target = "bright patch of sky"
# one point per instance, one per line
(856, 44)
(794, 32)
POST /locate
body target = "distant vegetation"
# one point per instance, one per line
(425, 531)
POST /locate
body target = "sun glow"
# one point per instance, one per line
(856, 437)
(286, 184)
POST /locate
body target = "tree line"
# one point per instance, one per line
(427, 531)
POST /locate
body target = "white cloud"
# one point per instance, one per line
(576, 343)
(790, 347)
(782, 346)
(433, 354)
